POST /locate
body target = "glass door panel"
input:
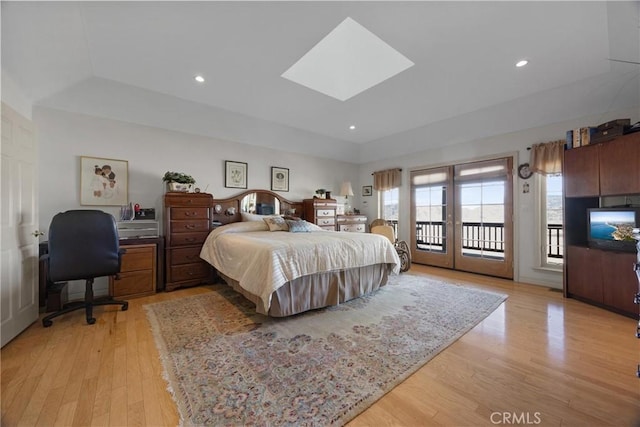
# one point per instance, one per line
(482, 215)
(484, 227)
(432, 217)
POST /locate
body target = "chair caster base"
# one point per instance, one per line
(91, 320)
(47, 323)
(125, 306)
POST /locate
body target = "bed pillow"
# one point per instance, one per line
(302, 226)
(240, 227)
(277, 223)
(246, 216)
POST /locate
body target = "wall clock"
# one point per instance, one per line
(524, 172)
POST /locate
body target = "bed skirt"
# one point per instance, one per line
(320, 289)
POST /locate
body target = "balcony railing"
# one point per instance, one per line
(555, 241)
(480, 236)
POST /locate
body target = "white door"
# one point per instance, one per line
(18, 225)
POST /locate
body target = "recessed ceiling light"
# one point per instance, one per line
(199, 79)
(522, 63)
(352, 127)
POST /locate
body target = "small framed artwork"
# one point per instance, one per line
(103, 182)
(367, 190)
(235, 174)
(279, 179)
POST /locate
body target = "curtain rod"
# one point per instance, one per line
(386, 170)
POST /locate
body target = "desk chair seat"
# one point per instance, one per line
(83, 245)
(382, 227)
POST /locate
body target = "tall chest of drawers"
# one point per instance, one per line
(187, 222)
(321, 212)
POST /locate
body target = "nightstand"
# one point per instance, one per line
(352, 223)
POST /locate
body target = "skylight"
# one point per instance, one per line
(348, 61)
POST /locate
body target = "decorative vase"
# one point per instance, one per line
(179, 187)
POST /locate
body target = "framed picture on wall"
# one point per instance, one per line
(367, 190)
(235, 174)
(279, 179)
(103, 182)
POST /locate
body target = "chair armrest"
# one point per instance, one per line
(121, 251)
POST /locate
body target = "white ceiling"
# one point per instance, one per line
(136, 61)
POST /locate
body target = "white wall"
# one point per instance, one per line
(526, 253)
(150, 152)
(64, 137)
(13, 96)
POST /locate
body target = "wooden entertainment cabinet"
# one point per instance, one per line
(601, 277)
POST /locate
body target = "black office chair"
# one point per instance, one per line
(83, 245)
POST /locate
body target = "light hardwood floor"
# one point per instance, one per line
(538, 359)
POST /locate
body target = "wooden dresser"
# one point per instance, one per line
(352, 223)
(187, 222)
(321, 212)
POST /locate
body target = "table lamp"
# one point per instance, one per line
(346, 191)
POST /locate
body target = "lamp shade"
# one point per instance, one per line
(346, 189)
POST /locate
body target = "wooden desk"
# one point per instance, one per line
(52, 297)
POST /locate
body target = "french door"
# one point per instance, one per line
(463, 217)
(432, 212)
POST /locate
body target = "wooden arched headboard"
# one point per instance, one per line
(222, 208)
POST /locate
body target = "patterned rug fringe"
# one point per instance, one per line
(165, 359)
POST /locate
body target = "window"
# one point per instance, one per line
(389, 204)
(552, 233)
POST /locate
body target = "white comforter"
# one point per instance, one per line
(262, 261)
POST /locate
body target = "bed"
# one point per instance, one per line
(285, 272)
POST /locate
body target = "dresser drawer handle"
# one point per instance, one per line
(190, 226)
(191, 214)
(190, 239)
(191, 257)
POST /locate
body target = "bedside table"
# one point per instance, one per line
(352, 223)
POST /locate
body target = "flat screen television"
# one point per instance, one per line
(612, 228)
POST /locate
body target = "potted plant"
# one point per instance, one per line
(178, 181)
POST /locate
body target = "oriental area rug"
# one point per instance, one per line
(227, 365)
